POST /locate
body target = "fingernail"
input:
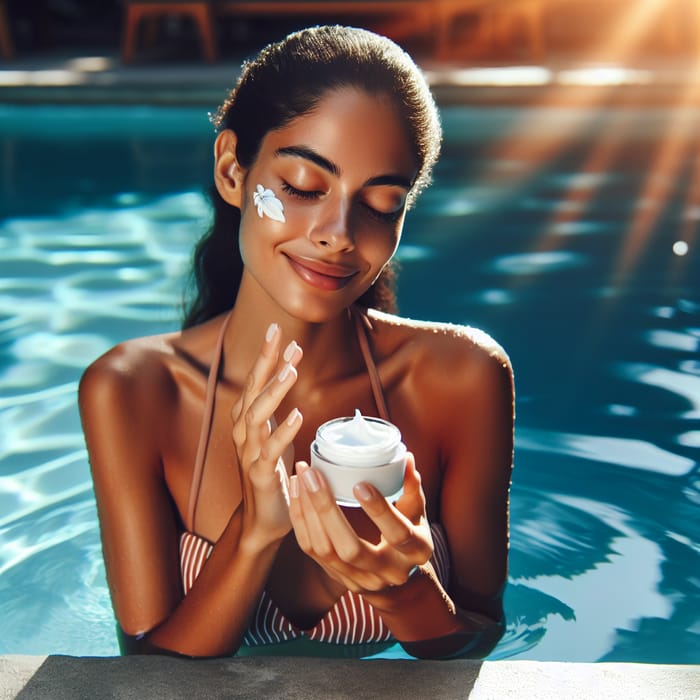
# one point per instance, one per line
(362, 492)
(290, 351)
(270, 334)
(293, 416)
(285, 371)
(311, 480)
(293, 487)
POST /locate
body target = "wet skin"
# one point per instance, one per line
(343, 173)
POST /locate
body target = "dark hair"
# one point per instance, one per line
(285, 81)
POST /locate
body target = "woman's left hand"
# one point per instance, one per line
(324, 533)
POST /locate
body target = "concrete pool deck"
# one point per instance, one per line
(155, 678)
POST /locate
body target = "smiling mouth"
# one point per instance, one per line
(321, 275)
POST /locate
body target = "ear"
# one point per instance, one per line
(228, 174)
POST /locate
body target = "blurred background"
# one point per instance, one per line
(563, 220)
(480, 30)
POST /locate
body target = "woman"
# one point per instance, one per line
(213, 535)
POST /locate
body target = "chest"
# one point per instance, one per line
(216, 487)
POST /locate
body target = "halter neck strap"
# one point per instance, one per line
(205, 427)
(362, 327)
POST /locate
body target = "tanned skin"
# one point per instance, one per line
(290, 362)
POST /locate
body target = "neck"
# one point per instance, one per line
(329, 347)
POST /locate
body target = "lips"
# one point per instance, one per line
(322, 275)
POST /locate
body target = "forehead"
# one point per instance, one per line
(357, 131)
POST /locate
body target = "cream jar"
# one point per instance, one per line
(359, 448)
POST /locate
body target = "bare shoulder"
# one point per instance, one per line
(444, 348)
(127, 373)
(457, 384)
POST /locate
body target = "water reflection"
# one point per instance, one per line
(537, 263)
(520, 236)
(637, 454)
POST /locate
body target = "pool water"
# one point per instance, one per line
(560, 231)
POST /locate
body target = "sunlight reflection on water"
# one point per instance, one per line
(606, 483)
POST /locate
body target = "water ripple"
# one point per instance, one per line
(611, 498)
(623, 452)
(537, 263)
(26, 492)
(678, 383)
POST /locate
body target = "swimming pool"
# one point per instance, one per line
(558, 230)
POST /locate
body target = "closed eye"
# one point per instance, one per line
(387, 217)
(390, 217)
(300, 194)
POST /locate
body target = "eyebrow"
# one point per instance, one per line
(309, 154)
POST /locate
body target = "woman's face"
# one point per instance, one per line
(342, 173)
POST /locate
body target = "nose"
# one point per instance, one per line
(332, 229)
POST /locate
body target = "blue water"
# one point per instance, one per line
(551, 228)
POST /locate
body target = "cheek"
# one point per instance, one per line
(380, 246)
(252, 235)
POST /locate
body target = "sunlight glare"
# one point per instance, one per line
(680, 248)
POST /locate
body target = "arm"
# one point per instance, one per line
(476, 419)
(474, 499)
(472, 413)
(124, 400)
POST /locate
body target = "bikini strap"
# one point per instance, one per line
(205, 428)
(362, 327)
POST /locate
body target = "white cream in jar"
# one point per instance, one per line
(359, 448)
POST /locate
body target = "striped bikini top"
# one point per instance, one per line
(351, 620)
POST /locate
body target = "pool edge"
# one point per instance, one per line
(61, 677)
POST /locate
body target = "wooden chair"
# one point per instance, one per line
(398, 19)
(498, 22)
(447, 15)
(201, 14)
(526, 15)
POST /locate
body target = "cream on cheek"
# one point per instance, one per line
(267, 204)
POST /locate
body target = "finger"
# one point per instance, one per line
(334, 544)
(259, 413)
(264, 365)
(272, 449)
(412, 500)
(282, 438)
(397, 530)
(394, 526)
(355, 580)
(262, 408)
(348, 547)
(291, 356)
(264, 379)
(259, 374)
(352, 579)
(319, 542)
(296, 515)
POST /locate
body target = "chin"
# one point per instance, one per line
(317, 310)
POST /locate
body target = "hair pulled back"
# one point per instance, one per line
(287, 80)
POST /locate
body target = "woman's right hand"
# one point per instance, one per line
(259, 447)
